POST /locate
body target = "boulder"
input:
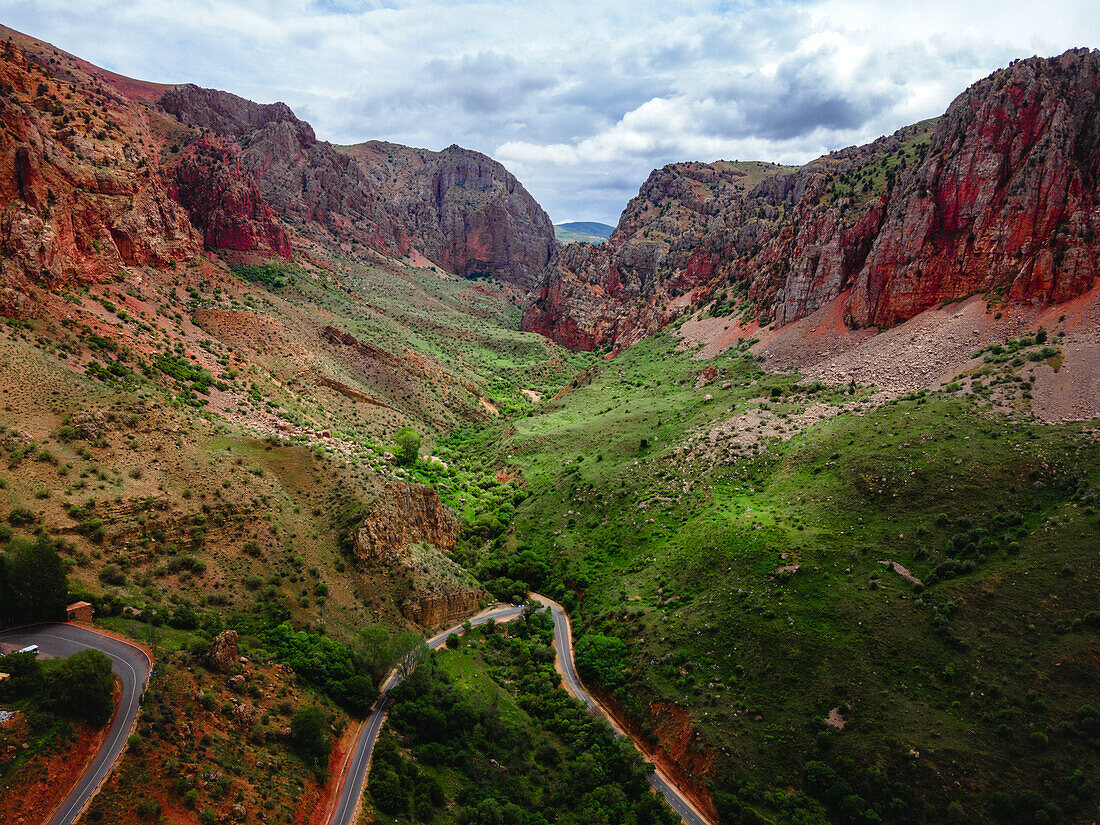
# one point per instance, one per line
(223, 650)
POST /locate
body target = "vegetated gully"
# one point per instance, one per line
(358, 762)
(130, 663)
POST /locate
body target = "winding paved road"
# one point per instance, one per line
(351, 792)
(563, 641)
(132, 666)
(356, 769)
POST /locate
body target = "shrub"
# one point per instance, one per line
(21, 517)
(148, 809)
(307, 732)
(112, 574)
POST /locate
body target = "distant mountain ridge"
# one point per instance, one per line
(107, 171)
(997, 196)
(583, 232)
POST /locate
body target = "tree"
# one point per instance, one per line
(83, 686)
(409, 661)
(379, 649)
(25, 672)
(359, 693)
(33, 584)
(602, 658)
(307, 731)
(408, 446)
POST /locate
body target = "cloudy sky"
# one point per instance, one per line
(579, 100)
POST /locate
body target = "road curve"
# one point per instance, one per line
(355, 770)
(130, 664)
(563, 647)
(351, 792)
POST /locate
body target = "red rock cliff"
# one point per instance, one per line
(80, 190)
(461, 209)
(224, 201)
(1006, 199)
(998, 195)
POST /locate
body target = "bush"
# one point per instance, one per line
(112, 574)
(21, 517)
(148, 809)
(311, 740)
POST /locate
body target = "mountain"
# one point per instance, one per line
(997, 196)
(189, 257)
(583, 232)
(459, 208)
(105, 171)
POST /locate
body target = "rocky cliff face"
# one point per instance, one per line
(464, 210)
(1005, 200)
(100, 171)
(224, 201)
(80, 194)
(408, 531)
(461, 209)
(999, 196)
(405, 514)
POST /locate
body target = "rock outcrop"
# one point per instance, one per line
(998, 196)
(223, 650)
(409, 531)
(445, 608)
(463, 210)
(405, 514)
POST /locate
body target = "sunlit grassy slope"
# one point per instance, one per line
(752, 591)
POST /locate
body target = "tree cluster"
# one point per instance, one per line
(33, 584)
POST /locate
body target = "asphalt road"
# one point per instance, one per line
(129, 663)
(352, 790)
(563, 642)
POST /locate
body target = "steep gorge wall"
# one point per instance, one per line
(98, 171)
(460, 208)
(999, 195)
(80, 191)
(1006, 198)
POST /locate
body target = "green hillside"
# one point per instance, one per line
(752, 582)
(583, 231)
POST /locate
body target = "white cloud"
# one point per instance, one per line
(581, 100)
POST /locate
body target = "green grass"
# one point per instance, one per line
(677, 552)
(164, 637)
